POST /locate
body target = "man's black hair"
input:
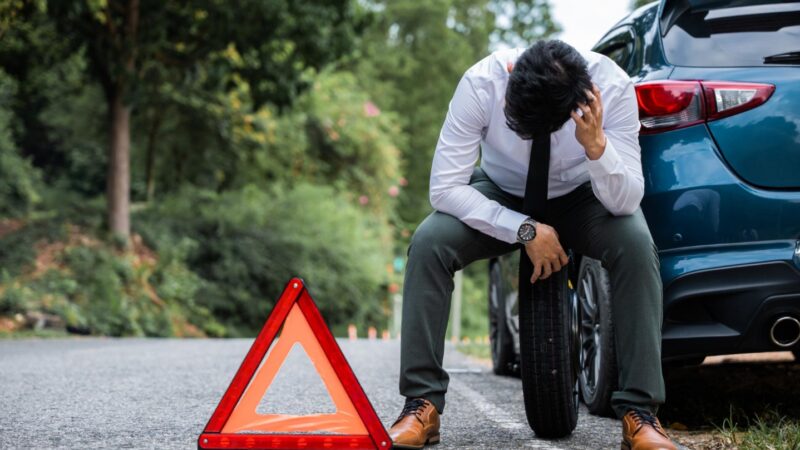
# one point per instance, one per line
(548, 81)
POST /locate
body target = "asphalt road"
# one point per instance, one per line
(153, 393)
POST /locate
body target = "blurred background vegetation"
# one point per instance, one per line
(166, 167)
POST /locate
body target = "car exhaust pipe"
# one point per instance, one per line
(785, 331)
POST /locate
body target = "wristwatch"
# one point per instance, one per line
(527, 231)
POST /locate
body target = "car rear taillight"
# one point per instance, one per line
(667, 105)
(726, 99)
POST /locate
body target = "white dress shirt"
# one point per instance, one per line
(476, 125)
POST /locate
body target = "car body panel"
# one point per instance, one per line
(681, 261)
(760, 145)
(692, 198)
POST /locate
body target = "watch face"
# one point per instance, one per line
(527, 232)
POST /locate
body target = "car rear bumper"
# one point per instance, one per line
(730, 308)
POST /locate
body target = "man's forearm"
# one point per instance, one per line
(477, 211)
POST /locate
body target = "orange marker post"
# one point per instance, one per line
(352, 332)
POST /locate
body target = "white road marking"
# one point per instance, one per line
(496, 414)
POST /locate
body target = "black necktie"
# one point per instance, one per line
(535, 202)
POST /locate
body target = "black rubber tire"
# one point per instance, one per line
(597, 326)
(500, 340)
(548, 353)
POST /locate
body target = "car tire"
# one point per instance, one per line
(500, 340)
(548, 354)
(598, 361)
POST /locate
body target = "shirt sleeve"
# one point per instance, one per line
(616, 176)
(454, 160)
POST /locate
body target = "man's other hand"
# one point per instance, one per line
(589, 127)
(545, 252)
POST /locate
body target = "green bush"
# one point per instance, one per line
(222, 261)
(247, 244)
(15, 299)
(97, 289)
(18, 249)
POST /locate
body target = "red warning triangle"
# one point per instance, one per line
(236, 424)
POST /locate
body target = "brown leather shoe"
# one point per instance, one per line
(643, 431)
(417, 425)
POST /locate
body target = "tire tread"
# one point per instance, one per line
(546, 362)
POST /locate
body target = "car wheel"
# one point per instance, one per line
(502, 345)
(598, 363)
(549, 345)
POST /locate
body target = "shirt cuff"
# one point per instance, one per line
(606, 164)
(508, 223)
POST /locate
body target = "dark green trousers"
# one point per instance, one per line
(443, 244)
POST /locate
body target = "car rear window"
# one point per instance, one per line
(743, 35)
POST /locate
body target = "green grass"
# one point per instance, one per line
(768, 432)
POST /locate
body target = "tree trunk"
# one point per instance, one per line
(151, 155)
(118, 180)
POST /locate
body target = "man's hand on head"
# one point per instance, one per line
(589, 127)
(545, 252)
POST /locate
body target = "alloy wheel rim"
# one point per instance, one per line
(591, 344)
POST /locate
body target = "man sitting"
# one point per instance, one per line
(587, 107)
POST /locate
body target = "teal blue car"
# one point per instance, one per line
(718, 86)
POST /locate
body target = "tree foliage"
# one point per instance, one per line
(522, 22)
(134, 45)
(20, 182)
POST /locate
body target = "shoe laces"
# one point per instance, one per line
(413, 406)
(643, 417)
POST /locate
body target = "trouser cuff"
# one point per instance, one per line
(436, 399)
(621, 406)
